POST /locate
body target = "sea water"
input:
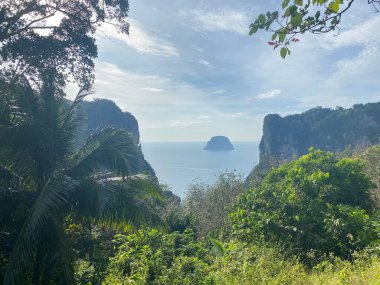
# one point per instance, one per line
(178, 164)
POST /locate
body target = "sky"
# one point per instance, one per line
(189, 70)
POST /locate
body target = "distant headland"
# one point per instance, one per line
(219, 143)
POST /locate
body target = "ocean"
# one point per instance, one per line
(178, 164)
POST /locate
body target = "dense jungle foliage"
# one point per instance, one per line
(88, 213)
(310, 221)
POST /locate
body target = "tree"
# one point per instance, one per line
(315, 205)
(209, 205)
(301, 16)
(37, 130)
(40, 37)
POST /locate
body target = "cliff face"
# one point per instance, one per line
(321, 128)
(102, 113)
(286, 138)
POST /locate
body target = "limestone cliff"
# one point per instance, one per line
(286, 138)
(102, 113)
(321, 128)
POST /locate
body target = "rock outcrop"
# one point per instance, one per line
(103, 113)
(219, 143)
(287, 138)
(321, 128)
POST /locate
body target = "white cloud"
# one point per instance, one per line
(187, 123)
(151, 89)
(220, 91)
(235, 115)
(366, 33)
(206, 63)
(269, 94)
(219, 20)
(140, 40)
(357, 70)
(125, 87)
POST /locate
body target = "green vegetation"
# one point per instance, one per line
(310, 221)
(35, 44)
(300, 16)
(88, 213)
(338, 243)
(315, 206)
(209, 205)
(41, 169)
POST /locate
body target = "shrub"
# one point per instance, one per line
(313, 206)
(152, 257)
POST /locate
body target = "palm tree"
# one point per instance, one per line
(37, 131)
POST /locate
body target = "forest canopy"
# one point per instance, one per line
(44, 37)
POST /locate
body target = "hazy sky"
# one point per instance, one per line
(189, 71)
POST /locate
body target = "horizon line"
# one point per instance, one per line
(169, 141)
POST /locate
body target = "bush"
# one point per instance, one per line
(313, 206)
(152, 257)
(246, 265)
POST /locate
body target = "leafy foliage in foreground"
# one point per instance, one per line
(246, 265)
(316, 205)
(351, 255)
(97, 183)
(77, 213)
(297, 17)
(153, 257)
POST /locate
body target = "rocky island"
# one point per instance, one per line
(219, 143)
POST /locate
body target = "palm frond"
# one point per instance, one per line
(94, 196)
(36, 131)
(8, 176)
(218, 247)
(136, 202)
(109, 149)
(57, 253)
(82, 93)
(70, 118)
(144, 186)
(51, 201)
(119, 200)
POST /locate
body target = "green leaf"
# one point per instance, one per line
(317, 15)
(284, 52)
(296, 20)
(285, 3)
(217, 246)
(253, 30)
(334, 6)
